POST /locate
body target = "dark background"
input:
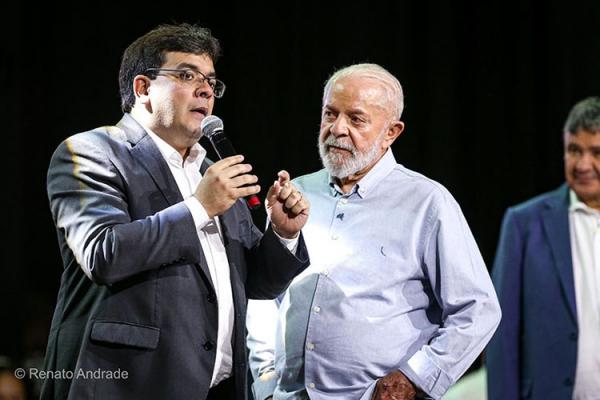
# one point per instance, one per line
(487, 89)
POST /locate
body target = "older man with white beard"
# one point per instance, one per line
(397, 302)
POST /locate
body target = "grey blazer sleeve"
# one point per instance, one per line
(88, 200)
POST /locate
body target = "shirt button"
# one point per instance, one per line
(310, 346)
(335, 237)
(317, 309)
(344, 201)
(311, 385)
(325, 272)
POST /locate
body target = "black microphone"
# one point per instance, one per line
(212, 128)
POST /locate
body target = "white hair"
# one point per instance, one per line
(392, 85)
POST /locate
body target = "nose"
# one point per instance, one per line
(203, 89)
(585, 162)
(339, 127)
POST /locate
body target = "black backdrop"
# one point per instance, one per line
(487, 89)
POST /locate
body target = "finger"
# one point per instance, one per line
(273, 193)
(227, 162)
(242, 180)
(283, 176)
(293, 199)
(376, 393)
(235, 170)
(300, 208)
(285, 191)
(304, 206)
(246, 191)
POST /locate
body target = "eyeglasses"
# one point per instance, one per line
(190, 76)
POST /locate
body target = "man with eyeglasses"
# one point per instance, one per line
(159, 251)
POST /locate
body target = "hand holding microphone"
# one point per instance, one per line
(223, 183)
(226, 180)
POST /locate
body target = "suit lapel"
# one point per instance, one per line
(229, 224)
(227, 220)
(145, 151)
(556, 225)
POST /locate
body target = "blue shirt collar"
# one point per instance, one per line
(366, 185)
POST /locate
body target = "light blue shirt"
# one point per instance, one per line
(396, 282)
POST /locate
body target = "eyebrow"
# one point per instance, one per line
(577, 146)
(354, 111)
(211, 74)
(351, 111)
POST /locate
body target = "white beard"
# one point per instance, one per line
(342, 166)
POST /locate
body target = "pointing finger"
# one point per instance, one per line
(284, 177)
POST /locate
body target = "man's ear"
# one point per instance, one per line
(141, 88)
(395, 130)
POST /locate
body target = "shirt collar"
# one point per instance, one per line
(577, 205)
(196, 155)
(368, 182)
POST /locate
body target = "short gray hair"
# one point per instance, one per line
(392, 85)
(584, 115)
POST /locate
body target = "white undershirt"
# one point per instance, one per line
(585, 244)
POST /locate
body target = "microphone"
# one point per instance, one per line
(212, 128)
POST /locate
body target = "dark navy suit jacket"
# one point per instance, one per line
(534, 351)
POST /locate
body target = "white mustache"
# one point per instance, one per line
(333, 141)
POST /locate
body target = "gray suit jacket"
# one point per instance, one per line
(148, 307)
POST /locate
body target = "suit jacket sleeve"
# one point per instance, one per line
(270, 265)
(88, 200)
(503, 353)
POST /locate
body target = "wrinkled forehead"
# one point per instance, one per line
(360, 91)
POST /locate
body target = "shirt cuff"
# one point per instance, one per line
(427, 376)
(264, 386)
(198, 212)
(291, 244)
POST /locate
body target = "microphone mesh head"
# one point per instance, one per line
(211, 125)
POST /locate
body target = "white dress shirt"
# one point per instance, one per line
(585, 244)
(187, 175)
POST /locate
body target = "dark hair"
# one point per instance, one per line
(149, 51)
(584, 115)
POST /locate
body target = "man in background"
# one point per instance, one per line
(547, 275)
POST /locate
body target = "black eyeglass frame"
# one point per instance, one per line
(217, 86)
